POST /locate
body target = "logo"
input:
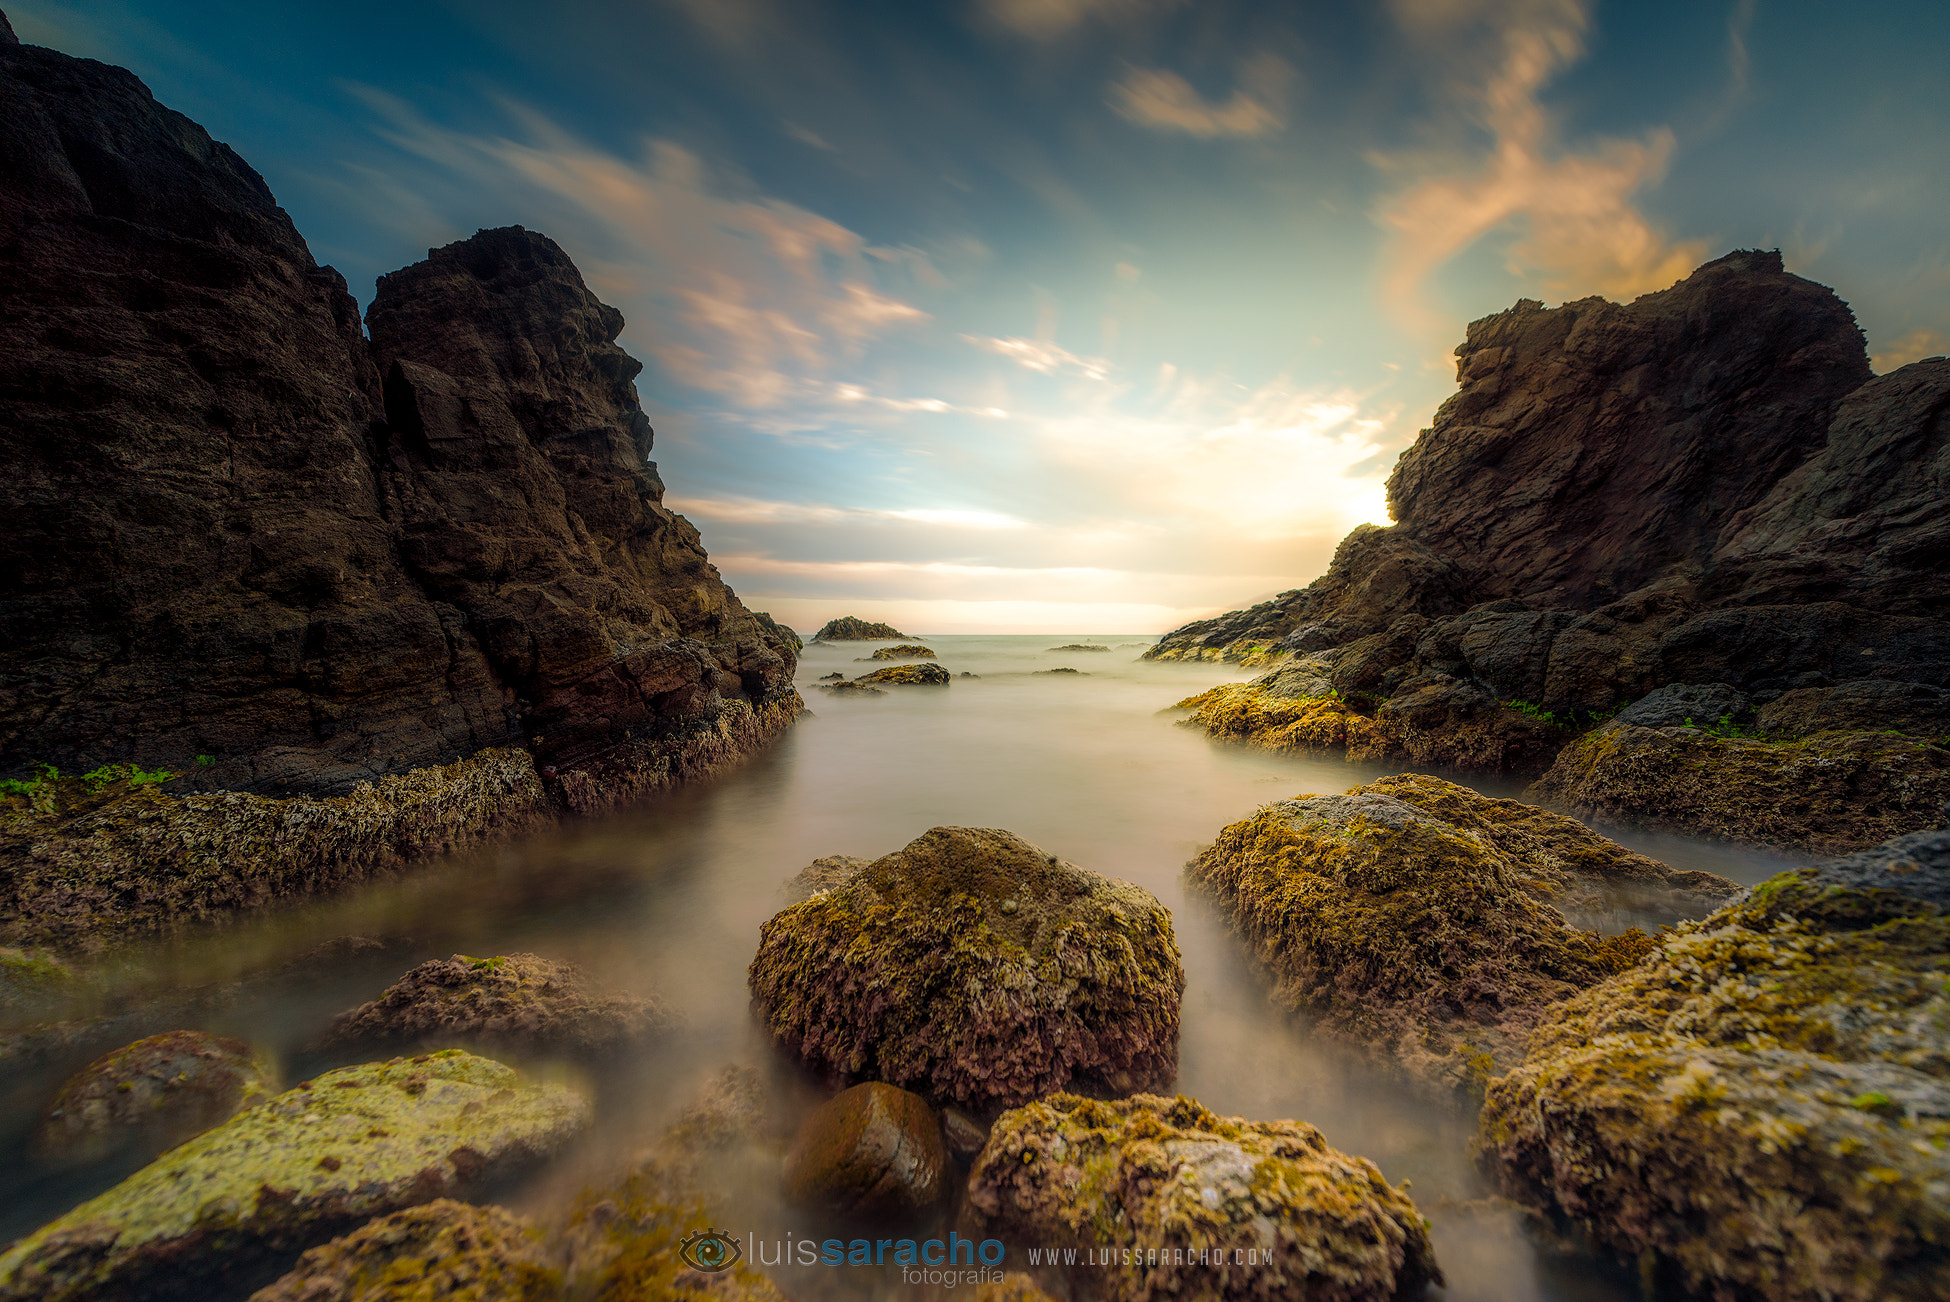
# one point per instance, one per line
(710, 1251)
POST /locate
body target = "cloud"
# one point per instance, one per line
(1581, 230)
(1912, 347)
(740, 295)
(1165, 101)
(1042, 356)
(807, 136)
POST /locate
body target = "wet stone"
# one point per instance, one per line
(871, 1154)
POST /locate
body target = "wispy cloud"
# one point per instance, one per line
(1165, 101)
(1042, 356)
(1581, 231)
(1912, 347)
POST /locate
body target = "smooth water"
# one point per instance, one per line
(668, 898)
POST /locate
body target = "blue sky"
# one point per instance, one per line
(1071, 315)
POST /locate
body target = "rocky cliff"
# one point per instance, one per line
(254, 546)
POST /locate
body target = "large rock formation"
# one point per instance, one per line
(1704, 486)
(250, 546)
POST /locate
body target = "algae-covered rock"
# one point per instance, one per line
(917, 674)
(1830, 793)
(159, 1090)
(850, 689)
(822, 874)
(905, 651)
(519, 1001)
(235, 1203)
(445, 1249)
(848, 629)
(975, 969)
(1289, 1216)
(1761, 1108)
(871, 1153)
(29, 978)
(1409, 917)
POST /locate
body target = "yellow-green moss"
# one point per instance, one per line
(445, 1251)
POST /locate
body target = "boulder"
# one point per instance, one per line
(154, 1093)
(1829, 793)
(872, 1154)
(515, 1001)
(1860, 705)
(848, 629)
(975, 969)
(822, 874)
(444, 1249)
(963, 1135)
(905, 651)
(1080, 646)
(1304, 1220)
(850, 689)
(1413, 919)
(926, 675)
(233, 1205)
(1063, 670)
(1762, 1107)
(1688, 705)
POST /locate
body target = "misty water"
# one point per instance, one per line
(667, 898)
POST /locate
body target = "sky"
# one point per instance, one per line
(1071, 316)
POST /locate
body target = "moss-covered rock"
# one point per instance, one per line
(850, 689)
(869, 1154)
(517, 1001)
(923, 674)
(155, 1092)
(1410, 917)
(822, 874)
(1149, 1172)
(1830, 793)
(905, 651)
(848, 629)
(1761, 1109)
(445, 1251)
(30, 978)
(975, 969)
(240, 1200)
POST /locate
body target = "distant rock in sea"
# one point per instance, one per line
(848, 629)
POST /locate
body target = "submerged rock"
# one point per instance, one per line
(873, 1154)
(518, 1001)
(1149, 1172)
(848, 629)
(906, 651)
(1080, 646)
(1829, 793)
(235, 1202)
(923, 674)
(1064, 670)
(1762, 1107)
(155, 1092)
(850, 689)
(445, 1249)
(1411, 917)
(823, 875)
(975, 969)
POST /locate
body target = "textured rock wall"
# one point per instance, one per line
(242, 532)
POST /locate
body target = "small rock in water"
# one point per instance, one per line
(1080, 646)
(827, 678)
(922, 674)
(872, 1153)
(850, 689)
(965, 674)
(159, 1091)
(963, 1135)
(1065, 670)
(903, 652)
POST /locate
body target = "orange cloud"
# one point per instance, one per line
(1912, 347)
(1165, 101)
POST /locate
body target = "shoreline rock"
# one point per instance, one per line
(1762, 1107)
(922, 674)
(155, 1092)
(974, 969)
(848, 629)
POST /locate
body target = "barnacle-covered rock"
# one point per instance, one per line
(236, 1202)
(905, 651)
(922, 674)
(975, 969)
(161, 1089)
(520, 1001)
(1283, 1214)
(1412, 917)
(448, 1250)
(1762, 1107)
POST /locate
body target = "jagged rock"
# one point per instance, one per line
(1687, 705)
(786, 637)
(233, 1204)
(905, 651)
(870, 1154)
(975, 969)
(1830, 793)
(1862, 705)
(828, 677)
(294, 561)
(1414, 919)
(909, 675)
(848, 629)
(1149, 1171)
(445, 1249)
(1762, 1107)
(156, 1092)
(520, 1002)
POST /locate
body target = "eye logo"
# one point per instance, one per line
(710, 1250)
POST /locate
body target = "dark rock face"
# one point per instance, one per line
(848, 629)
(1863, 705)
(247, 545)
(1686, 705)
(871, 1154)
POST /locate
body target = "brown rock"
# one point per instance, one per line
(156, 1092)
(963, 1135)
(520, 1001)
(444, 1249)
(925, 675)
(906, 651)
(823, 875)
(848, 629)
(873, 1153)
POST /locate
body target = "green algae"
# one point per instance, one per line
(349, 1145)
(445, 1251)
